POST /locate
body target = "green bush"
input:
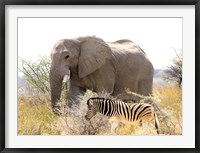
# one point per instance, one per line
(37, 73)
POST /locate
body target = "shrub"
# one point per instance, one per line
(37, 73)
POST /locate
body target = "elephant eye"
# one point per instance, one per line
(66, 57)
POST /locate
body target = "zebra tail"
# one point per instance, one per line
(156, 122)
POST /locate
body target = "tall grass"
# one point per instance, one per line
(36, 118)
(171, 103)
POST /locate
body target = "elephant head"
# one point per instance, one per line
(77, 57)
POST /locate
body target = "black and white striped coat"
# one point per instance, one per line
(118, 110)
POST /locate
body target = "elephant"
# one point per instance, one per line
(91, 63)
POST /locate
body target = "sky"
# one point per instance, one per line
(158, 37)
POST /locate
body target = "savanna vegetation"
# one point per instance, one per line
(35, 116)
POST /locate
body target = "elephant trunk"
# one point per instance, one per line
(56, 88)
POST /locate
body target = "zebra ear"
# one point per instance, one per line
(90, 102)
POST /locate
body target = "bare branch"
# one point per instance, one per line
(174, 72)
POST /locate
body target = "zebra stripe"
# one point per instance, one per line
(142, 111)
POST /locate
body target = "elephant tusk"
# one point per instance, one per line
(66, 78)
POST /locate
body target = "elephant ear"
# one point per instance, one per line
(93, 54)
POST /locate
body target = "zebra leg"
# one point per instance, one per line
(140, 123)
(156, 123)
(154, 127)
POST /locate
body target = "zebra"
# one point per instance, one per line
(118, 110)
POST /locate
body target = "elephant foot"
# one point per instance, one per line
(57, 110)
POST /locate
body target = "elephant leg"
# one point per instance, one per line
(121, 94)
(145, 87)
(75, 95)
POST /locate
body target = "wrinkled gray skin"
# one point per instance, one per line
(99, 66)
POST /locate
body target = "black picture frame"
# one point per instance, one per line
(4, 3)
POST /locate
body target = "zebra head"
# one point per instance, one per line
(92, 108)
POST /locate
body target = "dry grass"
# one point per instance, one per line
(169, 100)
(137, 130)
(36, 118)
(171, 103)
